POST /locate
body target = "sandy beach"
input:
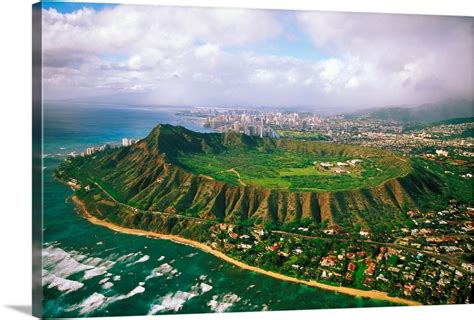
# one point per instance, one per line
(373, 294)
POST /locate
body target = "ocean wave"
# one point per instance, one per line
(161, 258)
(141, 260)
(98, 301)
(94, 302)
(135, 291)
(107, 285)
(205, 287)
(89, 274)
(129, 257)
(62, 284)
(221, 304)
(175, 301)
(163, 270)
(59, 265)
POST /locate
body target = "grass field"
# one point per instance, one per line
(294, 170)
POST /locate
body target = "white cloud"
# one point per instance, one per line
(207, 50)
(396, 52)
(201, 56)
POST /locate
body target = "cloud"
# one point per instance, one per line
(197, 56)
(422, 57)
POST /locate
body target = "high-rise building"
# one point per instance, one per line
(90, 151)
(125, 142)
(236, 126)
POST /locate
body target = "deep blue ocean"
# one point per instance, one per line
(89, 270)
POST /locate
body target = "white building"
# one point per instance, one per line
(442, 153)
(90, 151)
(128, 142)
(326, 164)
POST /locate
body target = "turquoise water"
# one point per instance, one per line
(89, 270)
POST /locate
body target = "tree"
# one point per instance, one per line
(356, 227)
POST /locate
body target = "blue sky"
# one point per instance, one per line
(293, 42)
(68, 7)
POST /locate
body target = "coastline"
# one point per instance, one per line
(372, 294)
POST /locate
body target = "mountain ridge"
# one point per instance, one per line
(148, 176)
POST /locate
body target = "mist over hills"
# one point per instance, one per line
(424, 113)
(430, 112)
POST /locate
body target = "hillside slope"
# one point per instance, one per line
(425, 113)
(148, 175)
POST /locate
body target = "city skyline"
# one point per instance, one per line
(231, 57)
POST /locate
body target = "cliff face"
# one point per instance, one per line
(148, 176)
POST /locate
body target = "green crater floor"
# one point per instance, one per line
(330, 168)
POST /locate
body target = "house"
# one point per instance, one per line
(233, 235)
(329, 261)
(353, 162)
(284, 254)
(408, 288)
(394, 269)
(364, 233)
(350, 255)
(297, 251)
(244, 246)
(368, 281)
(468, 266)
(351, 266)
(275, 246)
(326, 164)
(370, 268)
(349, 277)
(381, 277)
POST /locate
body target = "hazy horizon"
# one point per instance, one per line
(185, 56)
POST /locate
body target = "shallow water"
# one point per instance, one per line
(89, 270)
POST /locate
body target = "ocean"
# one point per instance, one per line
(89, 270)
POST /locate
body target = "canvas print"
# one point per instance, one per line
(200, 160)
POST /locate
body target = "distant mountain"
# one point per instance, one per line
(425, 113)
(421, 126)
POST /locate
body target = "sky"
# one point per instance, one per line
(250, 58)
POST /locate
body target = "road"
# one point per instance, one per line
(447, 259)
(175, 215)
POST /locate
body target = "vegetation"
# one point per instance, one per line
(297, 169)
(302, 135)
(240, 179)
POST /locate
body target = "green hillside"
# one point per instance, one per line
(234, 177)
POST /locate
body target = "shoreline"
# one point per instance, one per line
(372, 294)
